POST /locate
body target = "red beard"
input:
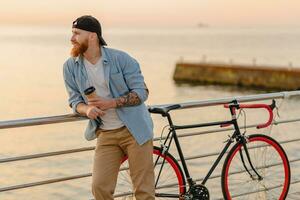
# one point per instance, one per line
(78, 49)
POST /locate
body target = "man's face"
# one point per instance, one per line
(79, 41)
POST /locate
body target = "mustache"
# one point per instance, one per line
(75, 43)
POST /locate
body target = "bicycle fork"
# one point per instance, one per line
(244, 143)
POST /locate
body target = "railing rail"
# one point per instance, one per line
(193, 104)
(247, 98)
(77, 150)
(40, 121)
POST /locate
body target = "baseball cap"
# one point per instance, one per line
(89, 23)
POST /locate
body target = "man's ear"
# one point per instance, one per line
(93, 36)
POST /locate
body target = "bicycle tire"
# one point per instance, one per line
(171, 180)
(270, 161)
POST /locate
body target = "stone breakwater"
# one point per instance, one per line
(275, 78)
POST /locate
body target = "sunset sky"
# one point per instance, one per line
(154, 13)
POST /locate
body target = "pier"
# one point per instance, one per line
(253, 76)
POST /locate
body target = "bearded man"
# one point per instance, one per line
(125, 126)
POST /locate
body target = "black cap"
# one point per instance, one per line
(89, 23)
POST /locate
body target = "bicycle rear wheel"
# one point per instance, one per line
(170, 184)
(268, 159)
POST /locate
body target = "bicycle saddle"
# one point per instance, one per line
(163, 110)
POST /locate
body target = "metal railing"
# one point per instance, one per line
(72, 117)
(194, 104)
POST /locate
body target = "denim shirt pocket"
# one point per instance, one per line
(117, 80)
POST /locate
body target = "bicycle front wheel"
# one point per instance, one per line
(170, 181)
(268, 159)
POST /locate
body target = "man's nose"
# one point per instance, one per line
(72, 38)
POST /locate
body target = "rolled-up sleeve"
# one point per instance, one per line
(74, 95)
(133, 77)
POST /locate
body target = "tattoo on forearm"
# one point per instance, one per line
(130, 99)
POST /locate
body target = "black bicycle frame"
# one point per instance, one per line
(235, 136)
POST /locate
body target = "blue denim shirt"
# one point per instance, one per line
(122, 74)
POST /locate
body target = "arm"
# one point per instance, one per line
(76, 101)
(90, 111)
(130, 99)
(74, 95)
(82, 108)
(135, 82)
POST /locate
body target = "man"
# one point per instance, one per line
(125, 127)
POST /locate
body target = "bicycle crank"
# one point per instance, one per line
(198, 192)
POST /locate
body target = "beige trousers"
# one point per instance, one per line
(112, 146)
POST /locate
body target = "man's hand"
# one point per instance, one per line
(102, 103)
(92, 112)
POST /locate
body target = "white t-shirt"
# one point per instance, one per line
(95, 73)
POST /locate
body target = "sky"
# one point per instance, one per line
(153, 13)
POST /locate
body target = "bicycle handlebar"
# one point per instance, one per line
(269, 108)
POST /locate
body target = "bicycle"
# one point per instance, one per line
(246, 172)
